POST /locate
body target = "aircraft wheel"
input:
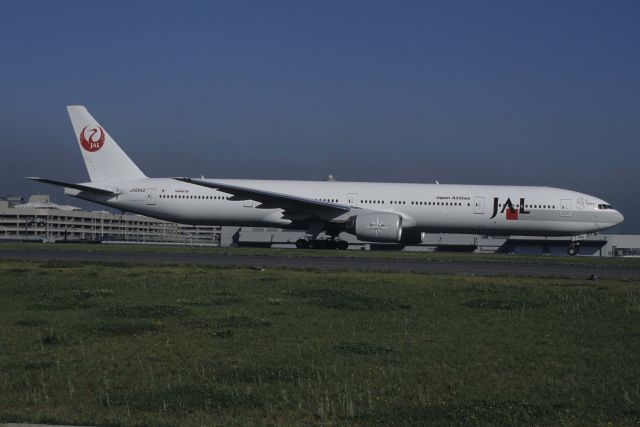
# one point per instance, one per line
(343, 245)
(572, 250)
(302, 244)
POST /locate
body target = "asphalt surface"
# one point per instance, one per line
(332, 263)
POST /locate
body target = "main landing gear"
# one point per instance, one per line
(311, 241)
(573, 248)
(329, 243)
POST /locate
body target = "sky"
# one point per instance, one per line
(493, 92)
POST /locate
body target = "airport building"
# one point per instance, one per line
(39, 219)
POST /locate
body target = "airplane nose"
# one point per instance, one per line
(610, 218)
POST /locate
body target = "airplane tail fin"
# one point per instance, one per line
(104, 159)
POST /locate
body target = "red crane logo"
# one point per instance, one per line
(92, 138)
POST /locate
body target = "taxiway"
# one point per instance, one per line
(492, 268)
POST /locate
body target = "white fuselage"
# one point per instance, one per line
(443, 208)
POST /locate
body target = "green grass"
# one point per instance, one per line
(166, 345)
(410, 255)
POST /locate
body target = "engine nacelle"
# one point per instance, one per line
(380, 227)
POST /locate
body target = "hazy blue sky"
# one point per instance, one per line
(490, 92)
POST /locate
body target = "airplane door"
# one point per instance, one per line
(478, 205)
(352, 199)
(151, 196)
(565, 207)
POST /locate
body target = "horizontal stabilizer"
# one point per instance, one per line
(80, 187)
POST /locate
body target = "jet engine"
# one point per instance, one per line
(383, 227)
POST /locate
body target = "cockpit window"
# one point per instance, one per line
(604, 206)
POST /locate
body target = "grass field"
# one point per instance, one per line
(164, 345)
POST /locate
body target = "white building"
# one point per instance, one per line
(42, 220)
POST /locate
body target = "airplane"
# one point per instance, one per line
(398, 213)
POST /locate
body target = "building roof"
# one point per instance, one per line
(42, 201)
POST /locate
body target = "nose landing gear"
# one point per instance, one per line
(573, 248)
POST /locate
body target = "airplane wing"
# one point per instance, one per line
(80, 187)
(270, 199)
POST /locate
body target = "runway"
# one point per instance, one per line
(331, 263)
